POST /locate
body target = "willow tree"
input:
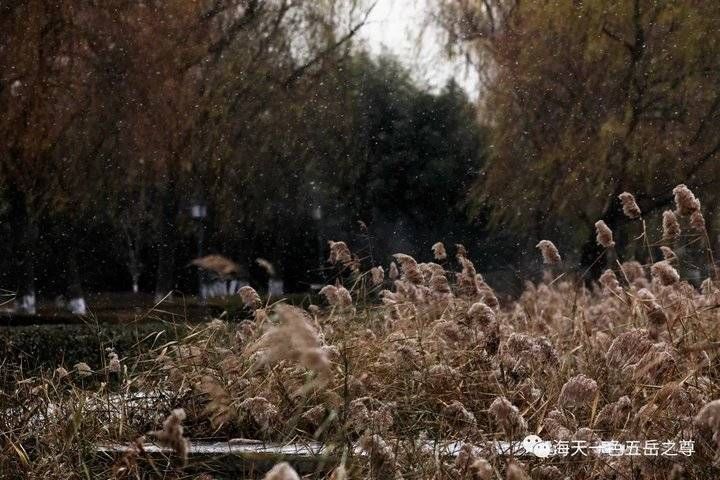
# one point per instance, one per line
(589, 99)
(263, 103)
(52, 126)
(97, 98)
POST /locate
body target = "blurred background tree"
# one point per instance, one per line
(586, 100)
(52, 128)
(411, 158)
(118, 117)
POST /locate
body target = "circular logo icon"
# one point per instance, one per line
(535, 445)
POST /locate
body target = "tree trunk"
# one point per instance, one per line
(132, 243)
(166, 264)
(134, 266)
(25, 240)
(76, 298)
(25, 258)
(165, 283)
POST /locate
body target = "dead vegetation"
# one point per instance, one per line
(396, 365)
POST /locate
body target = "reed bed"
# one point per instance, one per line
(390, 365)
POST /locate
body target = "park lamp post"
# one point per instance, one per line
(198, 212)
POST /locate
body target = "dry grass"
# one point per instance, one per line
(389, 364)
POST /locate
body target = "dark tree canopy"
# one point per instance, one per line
(588, 99)
(120, 117)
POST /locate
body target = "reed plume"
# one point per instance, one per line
(282, 471)
(268, 267)
(515, 471)
(668, 253)
(381, 455)
(409, 268)
(482, 469)
(171, 434)
(439, 251)
(113, 362)
(83, 369)
(633, 271)
(604, 235)
(508, 416)
(294, 339)
(654, 310)
(340, 255)
(629, 206)
(339, 252)
(685, 201)
(665, 273)
(609, 280)
(709, 417)
(549, 252)
(249, 297)
(481, 314)
(579, 390)
(697, 221)
(671, 226)
(261, 410)
(377, 275)
(393, 273)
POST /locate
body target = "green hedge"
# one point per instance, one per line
(35, 346)
(49, 345)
